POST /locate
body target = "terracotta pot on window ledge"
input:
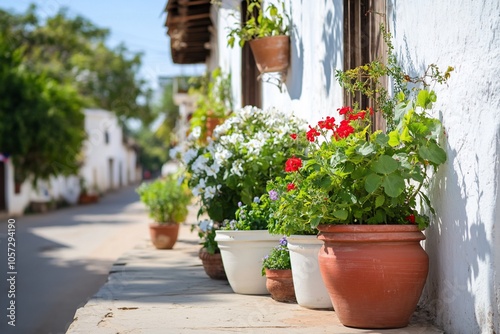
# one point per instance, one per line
(271, 53)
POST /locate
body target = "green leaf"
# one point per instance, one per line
(433, 153)
(372, 182)
(315, 222)
(405, 135)
(379, 201)
(385, 165)
(393, 185)
(401, 96)
(425, 99)
(340, 214)
(366, 149)
(394, 138)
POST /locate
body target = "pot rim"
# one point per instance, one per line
(374, 233)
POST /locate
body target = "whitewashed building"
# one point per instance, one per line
(463, 288)
(110, 161)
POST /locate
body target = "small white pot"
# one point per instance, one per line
(310, 290)
(242, 254)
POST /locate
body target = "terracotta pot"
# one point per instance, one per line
(271, 53)
(279, 283)
(374, 273)
(211, 123)
(164, 235)
(212, 263)
(86, 199)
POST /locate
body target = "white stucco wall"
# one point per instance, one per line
(463, 289)
(55, 188)
(100, 174)
(310, 89)
(463, 242)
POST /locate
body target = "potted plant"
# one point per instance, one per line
(214, 101)
(210, 252)
(246, 151)
(167, 200)
(278, 271)
(303, 245)
(364, 191)
(267, 33)
(86, 196)
(243, 242)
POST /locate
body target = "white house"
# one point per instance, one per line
(110, 159)
(110, 162)
(463, 288)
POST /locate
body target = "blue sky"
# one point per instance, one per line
(139, 24)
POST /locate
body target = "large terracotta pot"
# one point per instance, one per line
(242, 254)
(212, 263)
(374, 273)
(279, 283)
(271, 53)
(164, 235)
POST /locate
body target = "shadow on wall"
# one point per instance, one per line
(455, 247)
(455, 244)
(333, 41)
(294, 80)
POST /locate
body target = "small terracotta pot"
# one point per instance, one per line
(271, 53)
(164, 235)
(279, 283)
(212, 263)
(374, 273)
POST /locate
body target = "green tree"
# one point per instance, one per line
(49, 71)
(72, 50)
(41, 120)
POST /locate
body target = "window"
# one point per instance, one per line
(363, 43)
(106, 137)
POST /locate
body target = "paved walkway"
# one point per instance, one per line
(167, 291)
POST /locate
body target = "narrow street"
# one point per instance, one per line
(63, 258)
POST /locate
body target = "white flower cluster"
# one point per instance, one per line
(248, 135)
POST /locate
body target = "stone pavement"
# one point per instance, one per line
(167, 291)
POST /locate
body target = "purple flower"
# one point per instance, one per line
(240, 204)
(283, 241)
(273, 195)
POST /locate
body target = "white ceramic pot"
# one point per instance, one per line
(310, 290)
(242, 253)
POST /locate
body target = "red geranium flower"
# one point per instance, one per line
(344, 110)
(293, 164)
(359, 115)
(328, 123)
(411, 218)
(291, 186)
(294, 136)
(312, 134)
(344, 130)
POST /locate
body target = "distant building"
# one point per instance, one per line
(110, 162)
(110, 158)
